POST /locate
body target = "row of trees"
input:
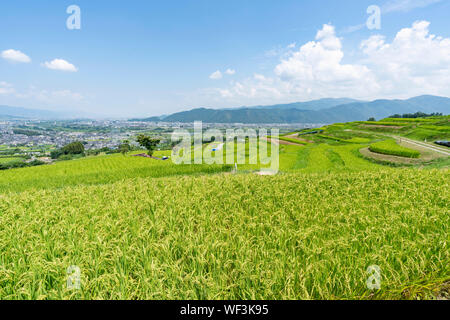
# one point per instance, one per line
(26, 132)
(145, 141)
(123, 148)
(20, 164)
(416, 115)
(411, 115)
(77, 148)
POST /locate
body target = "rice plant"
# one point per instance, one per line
(292, 236)
(390, 147)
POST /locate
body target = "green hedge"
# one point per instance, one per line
(390, 147)
(410, 120)
(352, 140)
(383, 123)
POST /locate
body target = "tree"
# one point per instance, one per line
(55, 154)
(70, 149)
(372, 119)
(73, 148)
(124, 148)
(148, 143)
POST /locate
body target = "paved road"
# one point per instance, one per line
(424, 145)
(431, 147)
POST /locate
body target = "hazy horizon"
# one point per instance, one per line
(153, 58)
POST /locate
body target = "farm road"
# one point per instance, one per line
(414, 142)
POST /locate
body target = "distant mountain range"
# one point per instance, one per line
(317, 111)
(314, 105)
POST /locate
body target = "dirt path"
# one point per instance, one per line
(296, 136)
(395, 159)
(282, 142)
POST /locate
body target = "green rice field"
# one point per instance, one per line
(140, 228)
(391, 147)
(9, 159)
(293, 236)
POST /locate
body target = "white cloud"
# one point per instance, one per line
(230, 71)
(353, 28)
(393, 6)
(316, 68)
(61, 65)
(216, 75)
(415, 62)
(51, 98)
(280, 51)
(406, 5)
(15, 56)
(6, 88)
(63, 94)
(48, 96)
(54, 96)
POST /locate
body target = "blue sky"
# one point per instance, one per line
(139, 58)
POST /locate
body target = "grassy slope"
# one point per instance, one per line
(94, 170)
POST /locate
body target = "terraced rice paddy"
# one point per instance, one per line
(10, 159)
(140, 228)
(95, 170)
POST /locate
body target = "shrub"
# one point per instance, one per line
(65, 157)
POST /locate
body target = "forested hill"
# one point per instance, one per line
(318, 111)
